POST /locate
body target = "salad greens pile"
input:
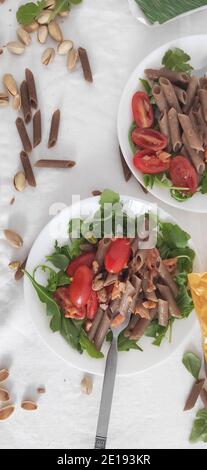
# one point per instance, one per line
(164, 10)
(171, 241)
(31, 11)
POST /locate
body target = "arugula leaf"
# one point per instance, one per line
(131, 143)
(71, 332)
(123, 344)
(154, 330)
(62, 279)
(55, 279)
(63, 5)
(59, 260)
(161, 180)
(46, 298)
(199, 429)
(29, 12)
(181, 279)
(75, 247)
(176, 59)
(179, 196)
(147, 87)
(89, 346)
(74, 227)
(173, 235)
(184, 302)
(109, 197)
(203, 184)
(192, 364)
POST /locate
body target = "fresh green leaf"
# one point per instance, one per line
(203, 183)
(131, 143)
(74, 228)
(154, 330)
(62, 279)
(61, 5)
(184, 302)
(71, 333)
(89, 346)
(147, 87)
(160, 11)
(123, 344)
(199, 429)
(176, 59)
(55, 323)
(59, 260)
(173, 235)
(180, 196)
(74, 248)
(45, 297)
(29, 12)
(192, 364)
(109, 197)
(181, 279)
(160, 180)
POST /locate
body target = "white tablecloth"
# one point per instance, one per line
(147, 408)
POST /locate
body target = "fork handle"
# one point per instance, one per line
(106, 396)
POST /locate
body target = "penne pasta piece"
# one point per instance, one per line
(191, 93)
(102, 330)
(132, 322)
(179, 78)
(23, 135)
(25, 102)
(140, 327)
(193, 139)
(197, 158)
(27, 169)
(166, 277)
(159, 97)
(203, 98)
(31, 88)
(138, 261)
(164, 127)
(163, 312)
(169, 93)
(166, 294)
(95, 324)
(181, 94)
(54, 128)
(202, 125)
(194, 394)
(174, 130)
(37, 133)
(203, 83)
(83, 56)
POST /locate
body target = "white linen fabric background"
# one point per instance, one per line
(147, 408)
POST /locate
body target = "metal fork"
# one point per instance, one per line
(108, 387)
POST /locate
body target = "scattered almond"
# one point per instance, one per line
(24, 36)
(4, 395)
(6, 412)
(29, 405)
(16, 103)
(10, 84)
(4, 99)
(13, 238)
(87, 385)
(72, 59)
(64, 13)
(64, 47)
(40, 390)
(48, 56)
(16, 47)
(14, 265)
(19, 181)
(44, 17)
(32, 27)
(55, 31)
(4, 374)
(42, 34)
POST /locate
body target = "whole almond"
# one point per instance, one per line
(10, 84)
(16, 104)
(42, 34)
(4, 99)
(16, 47)
(72, 59)
(13, 238)
(4, 374)
(63, 13)
(49, 4)
(64, 47)
(48, 56)
(4, 395)
(32, 27)
(55, 31)
(6, 412)
(28, 405)
(44, 17)
(19, 181)
(14, 265)
(24, 36)
(87, 385)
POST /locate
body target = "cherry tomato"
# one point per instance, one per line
(183, 174)
(81, 286)
(149, 139)
(142, 110)
(70, 311)
(92, 305)
(148, 162)
(117, 255)
(86, 259)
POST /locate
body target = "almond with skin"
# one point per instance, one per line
(4, 374)
(14, 265)
(13, 238)
(24, 36)
(19, 181)
(6, 412)
(44, 17)
(64, 47)
(42, 34)
(4, 395)
(48, 56)
(10, 84)
(16, 47)
(87, 385)
(32, 27)
(72, 59)
(29, 405)
(16, 103)
(55, 31)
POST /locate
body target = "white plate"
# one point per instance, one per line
(129, 362)
(191, 45)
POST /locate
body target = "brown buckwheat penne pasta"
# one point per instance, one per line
(191, 93)
(197, 158)
(174, 130)
(179, 78)
(193, 139)
(169, 93)
(164, 126)
(203, 98)
(160, 99)
(181, 94)
(23, 135)
(54, 128)
(166, 293)
(25, 102)
(37, 132)
(31, 88)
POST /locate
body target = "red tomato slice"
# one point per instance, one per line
(86, 259)
(148, 162)
(117, 255)
(81, 286)
(62, 298)
(149, 139)
(183, 174)
(142, 110)
(92, 305)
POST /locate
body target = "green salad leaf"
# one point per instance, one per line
(59, 260)
(199, 429)
(192, 364)
(131, 143)
(29, 12)
(147, 87)
(176, 59)
(89, 346)
(109, 197)
(180, 196)
(173, 235)
(203, 183)
(184, 301)
(159, 179)
(124, 344)
(154, 330)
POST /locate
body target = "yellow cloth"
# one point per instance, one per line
(198, 286)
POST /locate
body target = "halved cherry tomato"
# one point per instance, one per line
(183, 174)
(117, 255)
(86, 259)
(70, 311)
(148, 162)
(81, 286)
(92, 305)
(142, 110)
(149, 139)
